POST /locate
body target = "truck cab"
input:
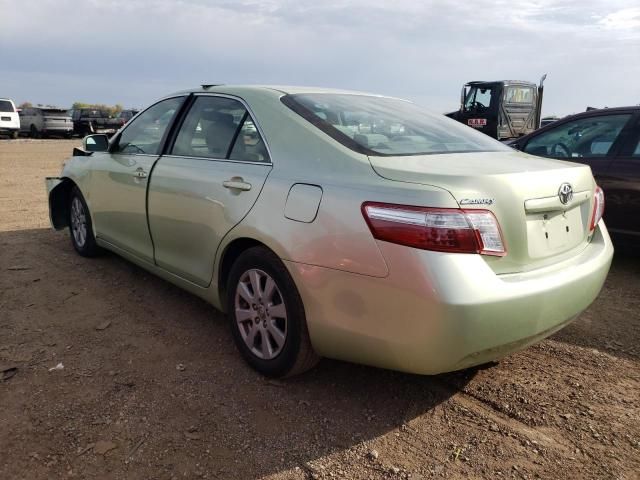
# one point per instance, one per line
(504, 110)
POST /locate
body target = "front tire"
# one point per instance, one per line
(80, 226)
(267, 315)
(14, 135)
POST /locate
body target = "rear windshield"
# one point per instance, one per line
(519, 95)
(6, 106)
(387, 126)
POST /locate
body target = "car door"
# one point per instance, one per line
(118, 192)
(24, 120)
(593, 140)
(208, 181)
(623, 191)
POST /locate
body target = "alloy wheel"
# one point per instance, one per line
(78, 222)
(261, 314)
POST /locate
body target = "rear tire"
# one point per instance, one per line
(33, 132)
(267, 315)
(80, 226)
(14, 135)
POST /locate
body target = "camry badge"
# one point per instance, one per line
(565, 193)
(477, 201)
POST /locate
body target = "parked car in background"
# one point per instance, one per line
(340, 224)
(128, 114)
(9, 118)
(40, 122)
(608, 140)
(88, 120)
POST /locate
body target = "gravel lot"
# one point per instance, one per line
(152, 386)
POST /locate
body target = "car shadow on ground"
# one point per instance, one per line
(146, 362)
(612, 323)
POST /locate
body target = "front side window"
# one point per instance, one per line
(387, 126)
(145, 134)
(590, 137)
(477, 99)
(221, 128)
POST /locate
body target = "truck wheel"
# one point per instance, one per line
(80, 226)
(267, 315)
(14, 135)
(33, 132)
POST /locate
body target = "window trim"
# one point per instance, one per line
(171, 141)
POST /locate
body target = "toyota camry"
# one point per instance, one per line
(338, 224)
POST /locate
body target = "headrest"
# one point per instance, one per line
(215, 116)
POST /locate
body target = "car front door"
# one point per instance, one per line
(118, 192)
(622, 209)
(208, 182)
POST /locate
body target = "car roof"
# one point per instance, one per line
(476, 83)
(589, 113)
(284, 89)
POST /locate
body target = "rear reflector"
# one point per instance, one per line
(440, 229)
(598, 208)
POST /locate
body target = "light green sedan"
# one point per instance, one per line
(340, 224)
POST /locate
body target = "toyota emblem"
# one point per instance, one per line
(565, 193)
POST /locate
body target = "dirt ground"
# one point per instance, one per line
(152, 387)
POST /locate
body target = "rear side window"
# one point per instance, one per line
(590, 137)
(220, 128)
(387, 126)
(6, 106)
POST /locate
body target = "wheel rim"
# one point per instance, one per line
(261, 314)
(78, 222)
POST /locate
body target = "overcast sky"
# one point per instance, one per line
(133, 51)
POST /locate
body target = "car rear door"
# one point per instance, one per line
(118, 187)
(208, 181)
(622, 209)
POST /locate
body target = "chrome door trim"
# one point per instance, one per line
(213, 159)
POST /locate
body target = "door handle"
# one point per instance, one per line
(237, 184)
(140, 173)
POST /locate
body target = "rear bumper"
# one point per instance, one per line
(438, 312)
(58, 130)
(4, 129)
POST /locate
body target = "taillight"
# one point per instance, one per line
(598, 208)
(441, 229)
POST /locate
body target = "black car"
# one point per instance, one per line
(127, 115)
(607, 140)
(90, 120)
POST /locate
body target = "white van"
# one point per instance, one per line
(9, 119)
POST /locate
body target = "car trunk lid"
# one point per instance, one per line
(522, 191)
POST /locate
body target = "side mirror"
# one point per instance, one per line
(95, 143)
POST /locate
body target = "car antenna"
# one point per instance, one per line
(209, 85)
